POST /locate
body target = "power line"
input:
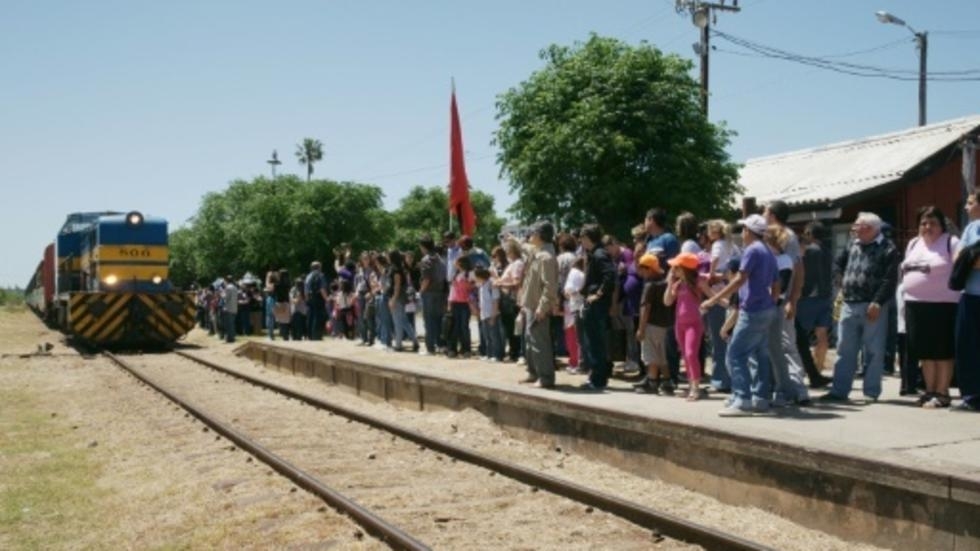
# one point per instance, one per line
(885, 46)
(958, 32)
(853, 69)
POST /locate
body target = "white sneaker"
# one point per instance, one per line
(378, 346)
(733, 411)
(423, 352)
(493, 360)
(631, 367)
(521, 361)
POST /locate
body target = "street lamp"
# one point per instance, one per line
(922, 40)
(274, 162)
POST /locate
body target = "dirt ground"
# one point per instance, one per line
(471, 429)
(91, 460)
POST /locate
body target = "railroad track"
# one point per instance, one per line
(397, 483)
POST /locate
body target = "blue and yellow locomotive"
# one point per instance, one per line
(110, 279)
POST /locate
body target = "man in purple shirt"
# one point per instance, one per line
(757, 283)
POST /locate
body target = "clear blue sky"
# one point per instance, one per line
(120, 105)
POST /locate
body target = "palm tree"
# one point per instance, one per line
(309, 152)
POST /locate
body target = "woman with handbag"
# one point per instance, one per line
(930, 306)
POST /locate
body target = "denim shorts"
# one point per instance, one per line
(814, 312)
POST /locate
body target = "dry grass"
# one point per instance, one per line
(49, 484)
(90, 460)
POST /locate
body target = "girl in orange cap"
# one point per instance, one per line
(687, 289)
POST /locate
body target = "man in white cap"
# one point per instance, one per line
(757, 275)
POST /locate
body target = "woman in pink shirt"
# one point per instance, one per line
(930, 307)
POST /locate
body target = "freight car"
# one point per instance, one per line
(104, 281)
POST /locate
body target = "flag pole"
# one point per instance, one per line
(452, 87)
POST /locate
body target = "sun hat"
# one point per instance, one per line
(685, 260)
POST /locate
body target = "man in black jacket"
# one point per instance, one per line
(869, 275)
(600, 280)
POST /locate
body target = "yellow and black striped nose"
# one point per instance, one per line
(130, 318)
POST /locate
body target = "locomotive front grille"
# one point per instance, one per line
(130, 318)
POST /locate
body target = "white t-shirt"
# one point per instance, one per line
(573, 290)
(721, 252)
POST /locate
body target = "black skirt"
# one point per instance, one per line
(931, 328)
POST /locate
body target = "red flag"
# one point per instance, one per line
(459, 185)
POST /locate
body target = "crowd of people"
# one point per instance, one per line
(757, 300)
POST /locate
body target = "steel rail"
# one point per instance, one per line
(667, 524)
(373, 524)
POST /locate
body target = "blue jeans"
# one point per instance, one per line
(385, 322)
(855, 332)
(402, 327)
(459, 337)
(433, 310)
(229, 319)
(495, 338)
(750, 339)
(720, 379)
(596, 318)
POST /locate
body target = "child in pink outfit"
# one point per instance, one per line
(687, 290)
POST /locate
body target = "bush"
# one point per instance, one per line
(12, 298)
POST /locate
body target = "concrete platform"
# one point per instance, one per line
(888, 473)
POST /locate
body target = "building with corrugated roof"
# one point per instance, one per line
(891, 175)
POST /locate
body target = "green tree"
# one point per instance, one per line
(260, 224)
(182, 272)
(309, 152)
(605, 131)
(425, 211)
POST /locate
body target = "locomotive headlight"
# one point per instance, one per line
(111, 279)
(157, 280)
(134, 218)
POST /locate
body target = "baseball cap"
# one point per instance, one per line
(650, 262)
(755, 223)
(685, 260)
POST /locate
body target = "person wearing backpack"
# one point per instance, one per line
(930, 306)
(967, 348)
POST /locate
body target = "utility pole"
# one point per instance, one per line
(702, 15)
(922, 41)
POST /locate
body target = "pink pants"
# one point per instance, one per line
(571, 344)
(689, 336)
